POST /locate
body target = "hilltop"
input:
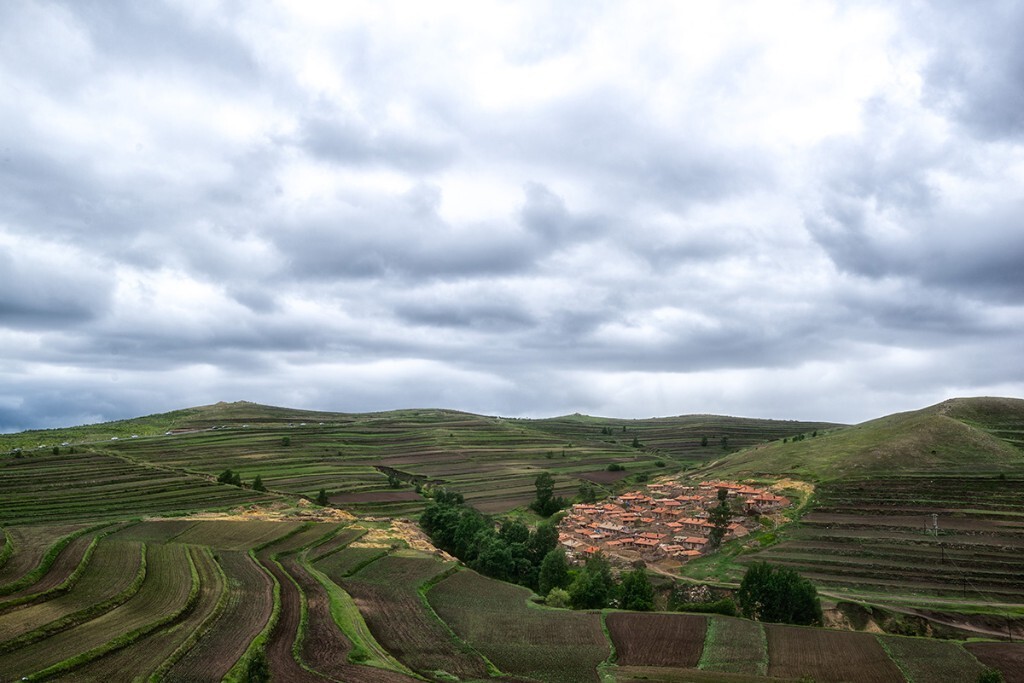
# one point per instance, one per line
(975, 434)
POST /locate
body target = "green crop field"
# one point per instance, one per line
(125, 559)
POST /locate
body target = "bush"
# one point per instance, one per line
(725, 606)
(557, 597)
(616, 467)
(778, 595)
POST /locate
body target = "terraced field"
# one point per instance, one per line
(520, 638)
(870, 536)
(89, 592)
(490, 460)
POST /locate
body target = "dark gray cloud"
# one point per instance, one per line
(510, 209)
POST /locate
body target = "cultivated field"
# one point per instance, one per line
(92, 587)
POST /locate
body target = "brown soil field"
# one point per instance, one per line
(112, 569)
(825, 656)
(164, 592)
(59, 571)
(145, 655)
(30, 544)
(387, 595)
(651, 674)
(604, 476)
(325, 648)
(342, 539)
(249, 605)
(158, 531)
(1006, 657)
(673, 640)
(283, 666)
(375, 497)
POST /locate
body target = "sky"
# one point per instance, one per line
(790, 210)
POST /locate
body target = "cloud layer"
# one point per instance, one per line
(795, 210)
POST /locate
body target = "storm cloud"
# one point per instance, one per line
(797, 210)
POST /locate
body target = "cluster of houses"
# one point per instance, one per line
(669, 521)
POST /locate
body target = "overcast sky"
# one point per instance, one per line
(802, 210)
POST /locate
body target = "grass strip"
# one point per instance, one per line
(68, 583)
(258, 645)
(82, 615)
(128, 638)
(365, 648)
(7, 549)
(201, 630)
(47, 560)
(423, 589)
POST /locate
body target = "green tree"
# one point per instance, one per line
(778, 595)
(594, 585)
(636, 591)
(286, 441)
(588, 492)
(394, 482)
(990, 676)
(554, 572)
(258, 670)
(719, 516)
(321, 497)
(543, 540)
(257, 484)
(636, 442)
(226, 477)
(725, 442)
(546, 504)
(704, 441)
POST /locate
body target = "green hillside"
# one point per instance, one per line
(971, 435)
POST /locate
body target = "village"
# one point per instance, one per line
(666, 525)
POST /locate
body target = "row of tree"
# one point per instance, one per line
(509, 551)
(235, 479)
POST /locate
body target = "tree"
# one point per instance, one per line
(778, 595)
(725, 443)
(258, 670)
(704, 441)
(588, 492)
(257, 484)
(636, 591)
(225, 477)
(554, 572)
(719, 516)
(990, 676)
(594, 585)
(546, 504)
(543, 540)
(636, 442)
(321, 497)
(394, 482)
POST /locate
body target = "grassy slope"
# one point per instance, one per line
(969, 435)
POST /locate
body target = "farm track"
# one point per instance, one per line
(246, 612)
(164, 592)
(145, 655)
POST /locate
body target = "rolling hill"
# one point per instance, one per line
(120, 551)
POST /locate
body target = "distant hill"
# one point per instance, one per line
(971, 434)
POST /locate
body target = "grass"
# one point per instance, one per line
(735, 646)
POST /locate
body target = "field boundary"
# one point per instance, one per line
(48, 559)
(8, 548)
(201, 630)
(128, 638)
(365, 648)
(82, 615)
